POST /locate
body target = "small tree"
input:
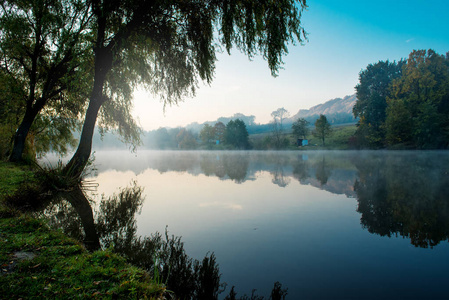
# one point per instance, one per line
(237, 135)
(322, 128)
(162, 138)
(278, 126)
(300, 129)
(207, 134)
(219, 131)
(186, 140)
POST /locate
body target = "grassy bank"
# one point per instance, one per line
(37, 262)
(338, 140)
(13, 177)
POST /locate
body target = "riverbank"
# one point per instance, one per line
(37, 262)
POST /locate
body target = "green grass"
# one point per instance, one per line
(37, 262)
(61, 268)
(340, 136)
(338, 140)
(13, 177)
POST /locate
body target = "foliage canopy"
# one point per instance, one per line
(299, 128)
(372, 92)
(168, 46)
(236, 134)
(45, 63)
(322, 128)
(277, 131)
(418, 109)
(405, 104)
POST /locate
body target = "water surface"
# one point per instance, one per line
(327, 225)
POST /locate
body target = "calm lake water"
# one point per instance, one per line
(327, 225)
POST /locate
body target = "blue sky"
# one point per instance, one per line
(344, 37)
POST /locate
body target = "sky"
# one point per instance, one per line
(344, 36)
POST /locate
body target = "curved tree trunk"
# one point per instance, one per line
(82, 206)
(80, 159)
(103, 63)
(21, 135)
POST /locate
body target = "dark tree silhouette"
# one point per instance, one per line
(169, 45)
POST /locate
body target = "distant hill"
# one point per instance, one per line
(337, 111)
(249, 121)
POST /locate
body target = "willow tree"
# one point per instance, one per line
(43, 57)
(169, 46)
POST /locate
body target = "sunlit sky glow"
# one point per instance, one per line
(344, 37)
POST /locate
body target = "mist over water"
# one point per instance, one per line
(340, 225)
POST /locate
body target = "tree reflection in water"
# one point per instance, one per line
(405, 195)
(115, 227)
(398, 192)
(323, 171)
(226, 166)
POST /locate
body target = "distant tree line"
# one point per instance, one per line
(233, 135)
(287, 135)
(405, 104)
